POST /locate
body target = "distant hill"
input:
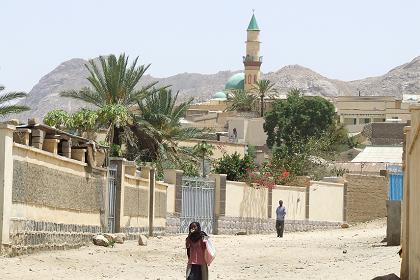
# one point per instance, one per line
(44, 96)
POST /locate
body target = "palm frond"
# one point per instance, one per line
(13, 109)
(10, 96)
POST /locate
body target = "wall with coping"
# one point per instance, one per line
(326, 201)
(294, 199)
(245, 202)
(57, 202)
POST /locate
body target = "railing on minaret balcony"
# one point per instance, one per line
(250, 58)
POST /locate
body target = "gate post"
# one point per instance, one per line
(118, 163)
(219, 199)
(6, 180)
(148, 172)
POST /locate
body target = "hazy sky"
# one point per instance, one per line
(340, 39)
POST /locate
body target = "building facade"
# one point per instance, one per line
(357, 111)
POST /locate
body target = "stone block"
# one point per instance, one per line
(66, 149)
(38, 133)
(131, 170)
(33, 121)
(22, 136)
(50, 145)
(78, 154)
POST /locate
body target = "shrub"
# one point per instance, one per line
(234, 166)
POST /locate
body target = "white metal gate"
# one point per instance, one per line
(112, 189)
(197, 203)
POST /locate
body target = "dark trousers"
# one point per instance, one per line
(195, 272)
(279, 228)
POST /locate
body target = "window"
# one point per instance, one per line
(255, 79)
(365, 121)
(249, 79)
(350, 121)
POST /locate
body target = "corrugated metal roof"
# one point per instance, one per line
(380, 154)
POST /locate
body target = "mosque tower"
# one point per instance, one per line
(252, 60)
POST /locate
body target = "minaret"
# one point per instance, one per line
(252, 60)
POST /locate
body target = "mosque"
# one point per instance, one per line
(246, 127)
(252, 63)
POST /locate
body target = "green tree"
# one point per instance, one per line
(234, 166)
(241, 100)
(113, 87)
(157, 129)
(5, 99)
(203, 150)
(298, 118)
(58, 118)
(263, 88)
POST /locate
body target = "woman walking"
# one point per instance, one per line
(196, 247)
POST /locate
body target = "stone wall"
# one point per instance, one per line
(27, 236)
(384, 133)
(57, 202)
(136, 203)
(365, 197)
(39, 185)
(234, 225)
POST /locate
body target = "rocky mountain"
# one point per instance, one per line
(44, 96)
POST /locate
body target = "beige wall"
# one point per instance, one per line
(250, 130)
(294, 199)
(256, 135)
(326, 201)
(245, 201)
(47, 187)
(135, 202)
(410, 267)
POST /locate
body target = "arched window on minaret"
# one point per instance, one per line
(255, 79)
(249, 79)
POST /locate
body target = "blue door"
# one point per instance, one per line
(395, 191)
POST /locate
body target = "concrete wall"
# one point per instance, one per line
(250, 130)
(53, 195)
(410, 239)
(326, 202)
(56, 201)
(245, 202)
(366, 197)
(294, 199)
(243, 208)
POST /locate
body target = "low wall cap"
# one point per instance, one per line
(7, 126)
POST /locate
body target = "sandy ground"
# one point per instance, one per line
(354, 253)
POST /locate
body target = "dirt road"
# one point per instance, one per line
(354, 253)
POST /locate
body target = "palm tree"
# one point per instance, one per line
(157, 128)
(113, 88)
(263, 88)
(241, 100)
(6, 108)
(203, 150)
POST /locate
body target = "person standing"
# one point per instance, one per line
(197, 267)
(280, 213)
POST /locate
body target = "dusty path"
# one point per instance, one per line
(313, 255)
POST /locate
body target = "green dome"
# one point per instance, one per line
(219, 95)
(236, 81)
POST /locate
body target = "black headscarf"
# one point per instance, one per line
(197, 234)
